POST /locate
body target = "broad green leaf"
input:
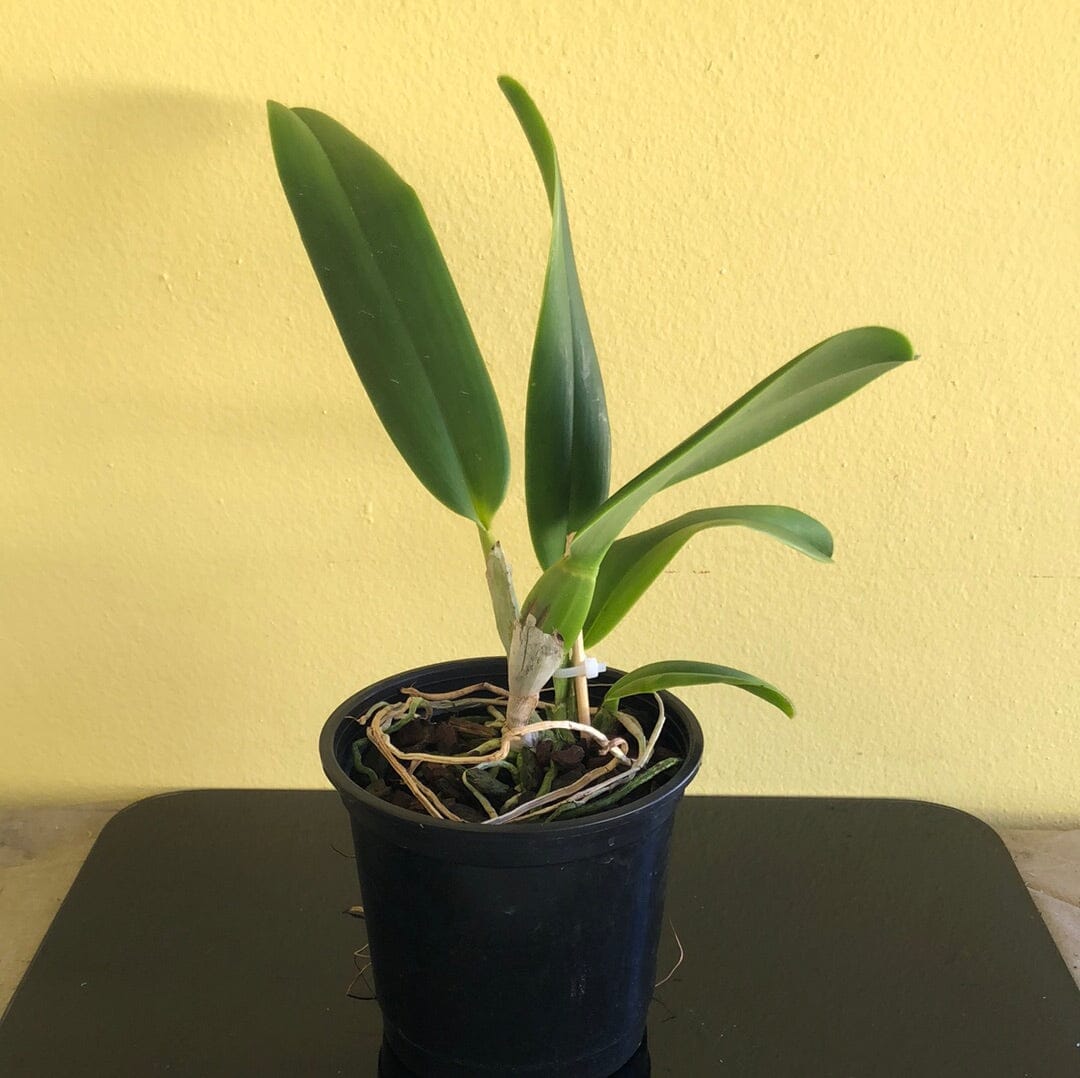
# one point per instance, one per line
(676, 672)
(396, 307)
(567, 439)
(809, 384)
(633, 563)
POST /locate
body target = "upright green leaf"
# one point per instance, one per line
(809, 384)
(396, 307)
(819, 378)
(559, 600)
(567, 439)
(676, 672)
(633, 563)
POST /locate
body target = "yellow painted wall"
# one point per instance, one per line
(208, 541)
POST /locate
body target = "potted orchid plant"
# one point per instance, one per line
(506, 809)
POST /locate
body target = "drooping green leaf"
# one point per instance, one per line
(567, 439)
(396, 307)
(809, 384)
(675, 672)
(633, 563)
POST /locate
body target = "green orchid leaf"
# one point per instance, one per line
(812, 382)
(633, 563)
(560, 599)
(567, 438)
(676, 672)
(396, 307)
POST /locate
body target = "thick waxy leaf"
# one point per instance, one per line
(396, 307)
(810, 383)
(633, 563)
(676, 672)
(567, 439)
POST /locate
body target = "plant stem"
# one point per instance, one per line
(533, 657)
(487, 540)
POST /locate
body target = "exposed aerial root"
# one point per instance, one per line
(497, 752)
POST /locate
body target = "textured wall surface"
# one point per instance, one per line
(208, 540)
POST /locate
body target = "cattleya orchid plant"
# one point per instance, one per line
(508, 754)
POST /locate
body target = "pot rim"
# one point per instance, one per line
(675, 710)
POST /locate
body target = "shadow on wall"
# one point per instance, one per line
(91, 162)
(162, 428)
(139, 236)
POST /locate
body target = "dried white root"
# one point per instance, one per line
(589, 786)
(539, 806)
(585, 793)
(428, 798)
(457, 694)
(616, 746)
(679, 960)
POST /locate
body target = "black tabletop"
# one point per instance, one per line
(207, 935)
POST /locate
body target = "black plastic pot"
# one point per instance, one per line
(522, 949)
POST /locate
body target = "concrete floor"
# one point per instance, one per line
(41, 850)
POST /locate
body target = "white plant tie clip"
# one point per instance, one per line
(590, 668)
